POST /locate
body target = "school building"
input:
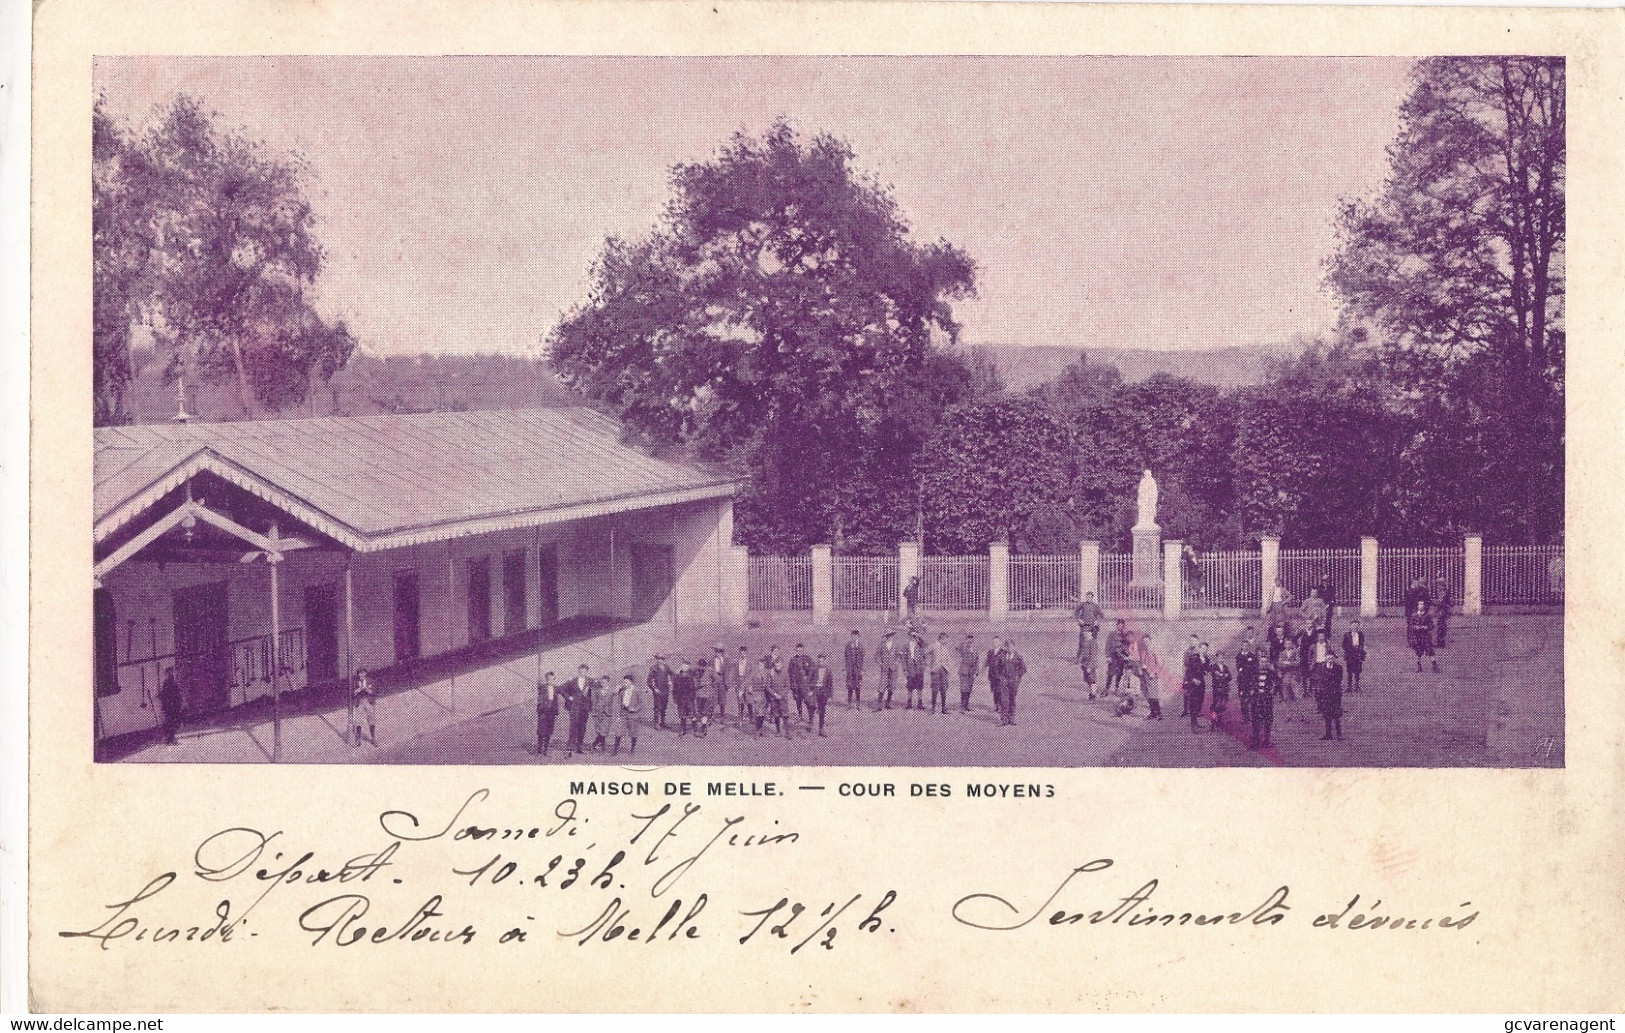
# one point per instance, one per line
(381, 541)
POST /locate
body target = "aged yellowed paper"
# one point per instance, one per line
(284, 667)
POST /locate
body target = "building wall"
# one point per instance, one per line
(699, 534)
(589, 584)
(143, 600)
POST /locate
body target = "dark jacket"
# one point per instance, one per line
(547, 700)
(1354, 652)
(659, 680)
(801, 673)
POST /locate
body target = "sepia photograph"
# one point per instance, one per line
(786, 411)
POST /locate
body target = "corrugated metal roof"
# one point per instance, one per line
(387, 475)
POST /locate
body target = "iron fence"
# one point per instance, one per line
(953, 583)
(1223, 580)
(1398, 568)
(865, 582)
(1117, 588)
(1512, 575)
(1043, 582)
(1304, 569)
(780, 582)
(1523, 574)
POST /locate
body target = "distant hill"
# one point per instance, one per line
(439, 383)
(1026, 366)
(371, 384)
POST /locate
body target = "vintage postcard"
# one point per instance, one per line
(829, 506)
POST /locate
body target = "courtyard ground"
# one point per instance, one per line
(1498, 702)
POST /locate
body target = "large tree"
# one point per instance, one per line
(1317, 450)
(998, 471)
(1457, 266)
(780, 316)
(208, 243)
(1182, 432)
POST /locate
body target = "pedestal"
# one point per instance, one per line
(1147, 556)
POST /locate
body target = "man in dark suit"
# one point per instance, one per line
(970, 663)
(995, 673)
(683, 691)
(1328, 684)
(1419, 629)
(716, 682)
(1118, 650)
(886, 659)
(1011, 668)
(914, 674)
(1354, 653)
(659, 682)
(1247, 657)
(169, 701)
(547, 712)
(1220, 677)
(1262, 713)
(1194, 681)
(854, 670)
(1326, 589)
(801, 672)
(579, 699)
(1191, 661)
(821, 689)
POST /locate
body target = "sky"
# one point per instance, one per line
(1109, 202)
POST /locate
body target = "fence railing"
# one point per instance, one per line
(1225, 580)
(1117, 588)
(1509, 575)
(1523, 574)
(1043, 582)
(865, 582)
(1305, 569)
(954, 582)
(779, 582)
(1398, 568)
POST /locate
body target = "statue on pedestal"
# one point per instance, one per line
(1148, 501)
(1147, 536)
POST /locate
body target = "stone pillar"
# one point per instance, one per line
(736, 585)
(1472, 581)
(1368, 577)
(823, 585)
(1173, 586)
(1089, 569)
(998, 581)
(1269, 548)
(908, 568)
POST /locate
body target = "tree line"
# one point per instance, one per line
(782, 319)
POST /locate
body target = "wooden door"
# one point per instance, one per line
(651, 579)
(321, 633)
(547, 559)
(513, 592)
(407, 631)
(479, 600)
(202, 648)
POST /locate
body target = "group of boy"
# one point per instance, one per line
(914, 663)
(771, 690)
(615, 711)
